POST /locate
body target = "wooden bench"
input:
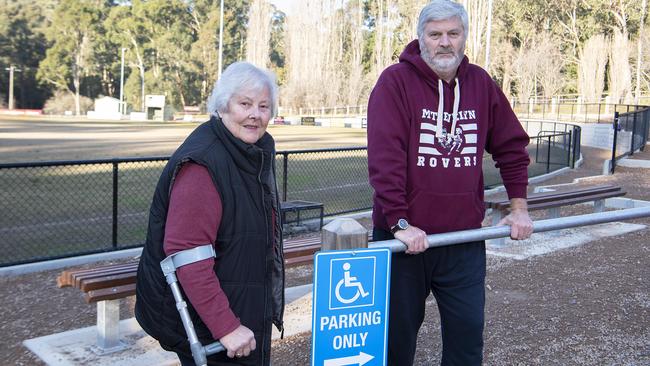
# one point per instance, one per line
(553, 201)
(106, 285)
(297, 206)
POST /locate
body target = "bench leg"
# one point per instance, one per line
(108, 327)
(599, 206)
(321, 219)
(497, 215)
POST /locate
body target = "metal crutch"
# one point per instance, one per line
(169, 265)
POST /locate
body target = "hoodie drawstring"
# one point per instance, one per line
(441, 106)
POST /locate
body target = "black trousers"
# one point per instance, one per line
(456, 276)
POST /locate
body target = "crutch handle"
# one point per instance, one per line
(213, 348)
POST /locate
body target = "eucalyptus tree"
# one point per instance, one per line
(72, 34)
(23, 45)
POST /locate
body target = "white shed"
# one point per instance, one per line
(106, 108)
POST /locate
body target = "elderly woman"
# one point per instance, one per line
(219, 188)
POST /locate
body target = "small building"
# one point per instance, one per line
(106, 108)
(156, 109)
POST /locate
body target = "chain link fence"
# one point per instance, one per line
(64, 209)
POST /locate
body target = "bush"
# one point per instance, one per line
(63, 101)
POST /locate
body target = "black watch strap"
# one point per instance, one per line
(401, 224)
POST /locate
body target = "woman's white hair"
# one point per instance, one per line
(441, 10)
(242, 76)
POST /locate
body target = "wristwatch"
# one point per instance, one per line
(402, 224)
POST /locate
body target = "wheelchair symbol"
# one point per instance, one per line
(349, 281)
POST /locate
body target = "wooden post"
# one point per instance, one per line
(344, 233)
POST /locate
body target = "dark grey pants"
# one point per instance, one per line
(456, 277)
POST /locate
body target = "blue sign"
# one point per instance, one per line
(350, 307)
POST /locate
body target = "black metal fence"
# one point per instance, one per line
(631, 131)
(62, 209)
(572, 112)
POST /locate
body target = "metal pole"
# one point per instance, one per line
(122, 109)
(115, 192)
(568, 151)
(548, 155)
(11, 87)
(633, 133)
(12, 69)
(220, 41)
(615, 125)
(494, 232)
(285, 176)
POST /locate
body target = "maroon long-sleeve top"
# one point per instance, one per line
(193, 219)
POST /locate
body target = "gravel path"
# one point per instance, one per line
(588, 305)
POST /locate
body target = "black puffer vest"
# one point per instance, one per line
(249, 261)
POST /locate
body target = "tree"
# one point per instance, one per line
(70, 58)
(591, 76)
(126, 29)
(259, 33)
(549, 65)
(23, 45)
(639, 60)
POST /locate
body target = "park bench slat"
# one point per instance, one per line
(555, 199)
(78, 279)
(574, 200)
(67, 277)
(300, 260)
(111, 293)
(108, 281)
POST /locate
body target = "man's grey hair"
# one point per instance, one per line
(242, 76)
(441, 10)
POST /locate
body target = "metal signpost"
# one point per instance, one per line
(350, 307)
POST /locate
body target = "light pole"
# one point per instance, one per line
(220, 41)
(11, 70)
(122, 109)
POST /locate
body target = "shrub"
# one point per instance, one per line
(63, 101)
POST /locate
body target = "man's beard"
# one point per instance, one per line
(441, 65)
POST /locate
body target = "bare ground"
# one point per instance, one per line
(588, 305)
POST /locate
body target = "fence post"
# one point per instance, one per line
(530, 106)
(285, 165)
(615, 125)
(115, 192)
(568, 152)
(633, 133)
(579, 105)
(548, 155)
(344, 233)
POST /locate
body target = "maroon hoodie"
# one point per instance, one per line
(425, 151)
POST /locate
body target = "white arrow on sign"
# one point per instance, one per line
(360, 360)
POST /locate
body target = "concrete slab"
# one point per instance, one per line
(543, 243)
(77, 348)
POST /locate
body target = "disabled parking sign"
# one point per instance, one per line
(350, 307)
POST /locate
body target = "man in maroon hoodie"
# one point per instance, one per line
(429, 119)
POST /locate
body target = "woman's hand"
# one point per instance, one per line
(239, 343)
